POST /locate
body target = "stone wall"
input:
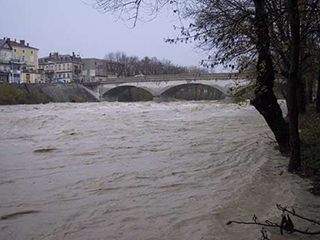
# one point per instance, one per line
(44, 93)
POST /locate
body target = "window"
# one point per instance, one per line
(23, 58)
(59, 67)
(68, 66)
(31, 58)
(31, 52)
(68, 75)
(15, 50)
(23, 51)
(15, 57)
(16, 67)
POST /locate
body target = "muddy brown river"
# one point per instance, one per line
(129, 171)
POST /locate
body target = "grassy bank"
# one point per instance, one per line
(43, 93)
(21, 94)
(310, 141)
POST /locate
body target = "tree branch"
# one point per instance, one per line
(285, 225)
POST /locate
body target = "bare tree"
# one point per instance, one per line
(132, 10)
(132, 65)
(295, 156)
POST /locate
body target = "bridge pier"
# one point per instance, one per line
(230, 99)
(162, 99)
(158, 99)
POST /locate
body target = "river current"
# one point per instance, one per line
(177, 170)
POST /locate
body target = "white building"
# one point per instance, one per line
(5, 58)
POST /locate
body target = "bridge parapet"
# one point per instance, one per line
(178, 77)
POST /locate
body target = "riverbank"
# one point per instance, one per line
(310, 151)
(11, 94)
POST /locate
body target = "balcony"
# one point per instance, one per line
(4, 61)
(16, 61)
(15, 71)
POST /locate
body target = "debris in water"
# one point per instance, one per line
(17, 214)
(45, 149)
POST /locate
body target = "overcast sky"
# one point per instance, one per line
(67, 26)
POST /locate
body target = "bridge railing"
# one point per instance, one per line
(177, 77)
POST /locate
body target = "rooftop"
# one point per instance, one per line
(3, 42)
(21, 44)
(56, 57)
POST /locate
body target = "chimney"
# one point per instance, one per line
(73, 54)
(28, 44)
(22, 42)
(8, 39)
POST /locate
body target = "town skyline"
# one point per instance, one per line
(59, 26)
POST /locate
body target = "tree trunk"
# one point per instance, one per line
(318, 90)
(293, 111)
(301, 94)
(310, 90)
(301, 82)
(265, 101)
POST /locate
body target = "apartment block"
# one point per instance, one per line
(61, 68)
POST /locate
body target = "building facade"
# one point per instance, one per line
(24, 62)
(5, 59)
(97, 70)
(58, 68)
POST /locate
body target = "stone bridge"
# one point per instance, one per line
(162, 87)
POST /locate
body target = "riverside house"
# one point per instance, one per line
(61, 68)
(23, 63)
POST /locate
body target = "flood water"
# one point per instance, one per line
(176, 170)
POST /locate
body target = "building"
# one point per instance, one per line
(5, 58)
(97, 70)
(24, 62)
(59, 68)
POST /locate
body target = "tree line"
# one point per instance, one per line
(129, 66)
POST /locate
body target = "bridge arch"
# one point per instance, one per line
(127, 93)
(193, 91)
